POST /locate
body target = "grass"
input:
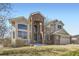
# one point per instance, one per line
(50, 50)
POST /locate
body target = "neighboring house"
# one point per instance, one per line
(56, 34)
(32, 30)
(75, 39)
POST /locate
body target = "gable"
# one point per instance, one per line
(36, 17)
(19, 20)
(62, 32)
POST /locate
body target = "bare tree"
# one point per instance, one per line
(4, 17)
(46, 23)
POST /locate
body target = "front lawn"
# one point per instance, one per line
(50, 50)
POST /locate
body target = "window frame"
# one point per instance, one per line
(59, 26)
(20, 26)
(23, 34)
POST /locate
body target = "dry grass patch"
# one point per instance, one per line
(50, 50)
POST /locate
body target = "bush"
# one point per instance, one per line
(1, 40)
(20, 42)
(6, 42)
(72, 53)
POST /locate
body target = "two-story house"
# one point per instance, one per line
(56, 34)
(33, 30)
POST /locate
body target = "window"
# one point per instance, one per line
(22, 26)
(22, 34)
(35, 28)
(59, 26)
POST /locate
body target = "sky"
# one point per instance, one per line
(67, 13)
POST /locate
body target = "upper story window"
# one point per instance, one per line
(22, 26)
(59, 26)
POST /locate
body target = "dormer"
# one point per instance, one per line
(55, 25)
(58, 25)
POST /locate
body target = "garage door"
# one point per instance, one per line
(64, 40)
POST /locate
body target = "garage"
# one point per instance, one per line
(64, 40)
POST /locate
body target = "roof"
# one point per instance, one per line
(21, 17)
(54, 21)
(18, 18)
(61, 31)
(75, 36)
(34, 13)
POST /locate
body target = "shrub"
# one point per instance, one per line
(1, 40)
(6, 42)
(72, 53)
(20, 42)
